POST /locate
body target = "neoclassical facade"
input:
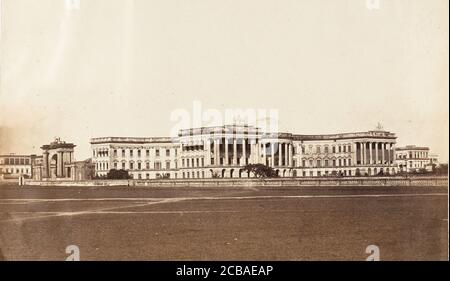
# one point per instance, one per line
(413, 158)
(13, 166)
(210, 152)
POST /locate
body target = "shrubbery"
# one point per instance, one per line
(261, 171)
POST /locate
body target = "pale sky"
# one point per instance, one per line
(121, 67)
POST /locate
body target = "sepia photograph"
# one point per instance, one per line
(216, 130)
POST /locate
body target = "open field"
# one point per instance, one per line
(254, 223)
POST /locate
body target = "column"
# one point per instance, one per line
(370, 153)
(252, 151)
(45, 167)
(264, 153)
(208, 153)
(364, 153)
(244, 151)
(216, 152)
(280, 155)
(234, 152)
(360, 153)
(226, 152)
(272, 151)
(382, 152)
(376, 152)
(290, 155)
(354, 151)
(59, 164)
(389, 154)
(286, 154)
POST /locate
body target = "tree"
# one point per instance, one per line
(441, 170)
(114, 174)
(260, 171)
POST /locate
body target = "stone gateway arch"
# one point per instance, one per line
(57, 160)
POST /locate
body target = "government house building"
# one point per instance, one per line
(222, 152)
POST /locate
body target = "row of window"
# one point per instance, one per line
(16, 161)
(415, 164)
(192, 162)
(131, 153)
(147, 176)
(138, 166)
(16, 170)
(327, 163)
(326, 149)
(411, 155)
(347, 172)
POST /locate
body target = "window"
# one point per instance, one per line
(203, 162)
(131, 152)
(326, 149)
(349, 162)
(303, 163)
(147, 176)
(198, 162)
(115, 152)
(147, 153)
(139, 176)
(167, 152)
(115, 165)
(157, 152)
(123, 165)
(212, 161)
(123, 152)
(182, 163)
(167, 165)
(326, 163)
(147, 165)
(139, 166)
(318, 149)
(310, 163)
(157, 165)
(139, 153)
(333, 149)
(131, 165)
(319, 163)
